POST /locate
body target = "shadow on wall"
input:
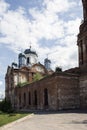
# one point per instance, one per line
(42, 112)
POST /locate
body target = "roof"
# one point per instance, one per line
(22, 55)
(47, 60)
(28, 51)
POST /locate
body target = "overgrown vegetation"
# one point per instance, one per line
(5, 106)
(37, 77)
(22, 84)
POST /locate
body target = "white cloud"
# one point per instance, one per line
(56, 6)
(1, 83)
(72, 26)
(3, 7)
(2, 95)
(18, 30)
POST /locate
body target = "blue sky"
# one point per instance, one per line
(51, 26)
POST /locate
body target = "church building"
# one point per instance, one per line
(53, 90)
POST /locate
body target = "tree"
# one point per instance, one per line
(58, 69)
(5, 106)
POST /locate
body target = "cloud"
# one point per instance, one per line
(65, 8)
(72, 26)
(56, 6)
(2, 95)
(3, 7)
(18, 30)
(1, 83)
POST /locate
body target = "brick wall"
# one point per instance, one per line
(83, 91)
(62, 93)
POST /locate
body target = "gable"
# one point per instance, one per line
(39, 68)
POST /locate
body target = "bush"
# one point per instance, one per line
(5, 106)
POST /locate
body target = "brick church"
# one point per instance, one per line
(53, 90)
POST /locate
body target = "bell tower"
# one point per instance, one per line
(82, 37)
(84, 2)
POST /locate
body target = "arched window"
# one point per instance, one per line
(29, 98)
(35, 97)
(28, 60)
(45, 97)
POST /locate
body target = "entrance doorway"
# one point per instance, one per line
(35, 98)
(24, 99)
(45, 98)
(29, 98)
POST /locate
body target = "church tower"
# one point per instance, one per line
(21, 60)
(82, 37)
(82, 49)
(84, 2)
(31, 57)
(47, 64)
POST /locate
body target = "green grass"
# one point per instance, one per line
(7, 118)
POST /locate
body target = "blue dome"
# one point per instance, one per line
(28, 51)
(47, 60)
(22, 55)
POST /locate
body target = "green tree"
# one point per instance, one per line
(5, 106)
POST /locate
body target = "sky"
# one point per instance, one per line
(50, 26)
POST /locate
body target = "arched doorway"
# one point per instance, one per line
(35, 98)
(24, 99)
(29, 98)
(19, 100)
(46, 98)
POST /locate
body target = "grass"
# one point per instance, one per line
(6, 118)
